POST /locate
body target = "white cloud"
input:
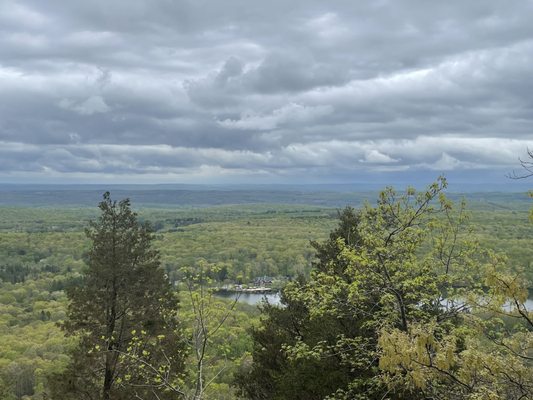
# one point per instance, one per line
(90, 106)
(324, 158)
(17, 13)
(328, 26)
(290, 113)
(92, 39)
(375, 157)
(275, 87)
(445, 163)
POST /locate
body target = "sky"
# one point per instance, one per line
(210, 91)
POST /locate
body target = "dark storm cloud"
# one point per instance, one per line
(210, 89)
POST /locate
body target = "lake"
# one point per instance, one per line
(274, 298)
(251, 298)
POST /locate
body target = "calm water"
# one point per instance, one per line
(274, 298)
(252, 298)
(529, 304)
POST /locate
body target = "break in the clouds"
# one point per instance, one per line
(277, 91)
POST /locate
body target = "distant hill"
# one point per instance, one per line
(215, 195)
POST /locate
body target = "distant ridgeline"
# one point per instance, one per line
(489, 197)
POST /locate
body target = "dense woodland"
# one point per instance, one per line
(411, 296)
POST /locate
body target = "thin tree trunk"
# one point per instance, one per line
(200, 351)
(110, 355)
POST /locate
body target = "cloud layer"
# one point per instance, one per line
(213, 91)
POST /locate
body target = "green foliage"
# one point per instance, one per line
(216, 332)
(302, 353)
(216, 341)
(249, 248)
(396, 291)
(42, 254)
(124, 290)
(488, 355)
(6, 391)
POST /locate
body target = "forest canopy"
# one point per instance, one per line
(401, 304)
(410, 296)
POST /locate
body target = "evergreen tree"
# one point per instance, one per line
(124, 293)
(273, 375)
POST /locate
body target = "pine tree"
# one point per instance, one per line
(124, 293)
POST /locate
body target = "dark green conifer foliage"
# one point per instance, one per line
(124, 292)
(273, 375)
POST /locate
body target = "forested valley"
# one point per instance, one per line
(398, 294)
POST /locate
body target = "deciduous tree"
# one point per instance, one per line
(405, 263)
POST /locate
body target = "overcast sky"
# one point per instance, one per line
(207, 91)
